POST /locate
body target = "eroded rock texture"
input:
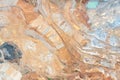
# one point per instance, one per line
(61, 40)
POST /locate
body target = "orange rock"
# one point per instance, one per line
(33, 76)
(28, 10)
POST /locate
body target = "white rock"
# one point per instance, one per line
(8, 2)
(7, 72)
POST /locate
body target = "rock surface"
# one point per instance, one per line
(57, 41)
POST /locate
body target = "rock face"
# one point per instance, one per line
(54, 40)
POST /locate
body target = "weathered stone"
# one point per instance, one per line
(7, 72)
(58, 43)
